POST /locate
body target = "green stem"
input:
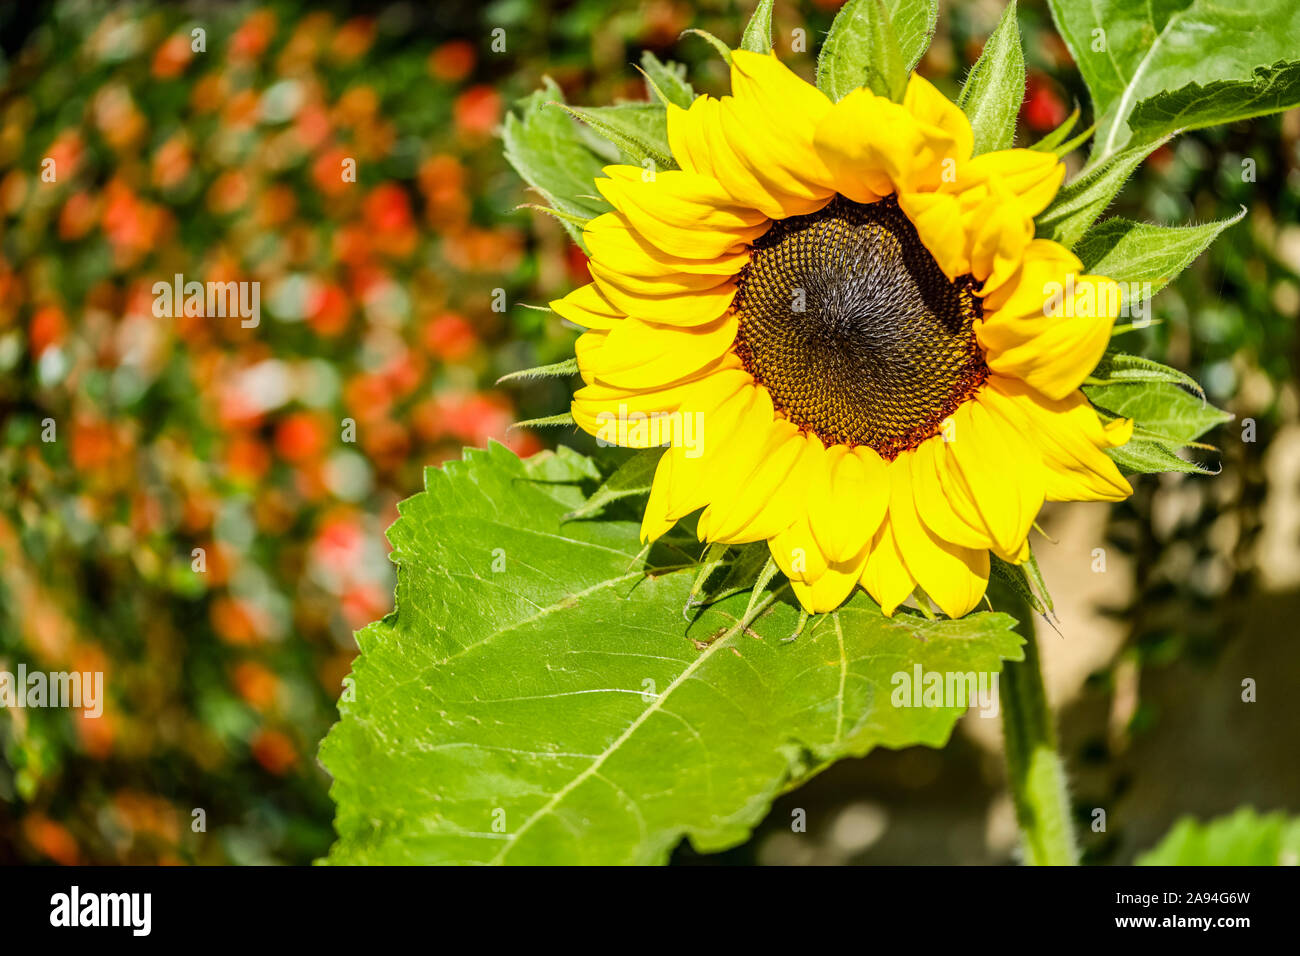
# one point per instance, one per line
(1035, 773)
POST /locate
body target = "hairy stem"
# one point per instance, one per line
(1035, 773)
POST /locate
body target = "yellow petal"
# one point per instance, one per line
(1056, 349)
(617, 246)
(1070, 439)
(931, 107)
(942, 504)
(758, 142)
(681, 213)
(873, 147)
(639, 354)
(587, 307)
(655, 522)
(768, 499)
(695, 477)
(938, 221)
(953, 576)
(1042, 261)
(733, 459)
(831, 588)
(796, 553)
(599, 409)
(999, 232)
(847, 500)
(682, 300)
(885, 576)
(866, 141)
(999, 470)
(1031, 177)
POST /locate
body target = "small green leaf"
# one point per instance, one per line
(758, 32)
(747, 562)
(723, 50)
(550, 421)
(567, 367)
(633, 477)
(1082, 200)
(667, 81)
(1014, 577)
(1065, 149)
(547, 149)
(886, 74)
(1035, 578)
(536, 696)
(1141, 252)
(1160, 409)
(1117, 368)
(1142, 456)
(1245, 838)
(995, 88)
(1057, 136)
(1166, 416)
(714, 558)
(765, 576)
(578, 222)
(852, 46)
(639, 130)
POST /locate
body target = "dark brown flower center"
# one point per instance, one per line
(849, 322)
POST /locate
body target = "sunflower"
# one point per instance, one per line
(883, 361)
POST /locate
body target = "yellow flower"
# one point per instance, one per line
(843, 320)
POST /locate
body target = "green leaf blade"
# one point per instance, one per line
(1082, 200)
(639, 130)
(1154, 68)
(1141, 252)
(546, 149)
(757, 37)
(1243, 838)
(561, 711)
(667, 81)
(1166, 415)
(851, 49)
(995, 88)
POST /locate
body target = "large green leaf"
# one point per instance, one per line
(1156, 67)
(848, 55)
(564, 699)
(549, 150)
(995, 88)
(1271, 89)
(1245, 838)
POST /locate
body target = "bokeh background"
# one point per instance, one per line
(377, 306)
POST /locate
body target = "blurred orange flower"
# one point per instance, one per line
(453, 61)
(477, 111)
(353, 38)
(48, 327)
(253, 37)
(256, 684)
(450, 337)
(51, 839)
(172, 56)
(274, 751)
(300, 436)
